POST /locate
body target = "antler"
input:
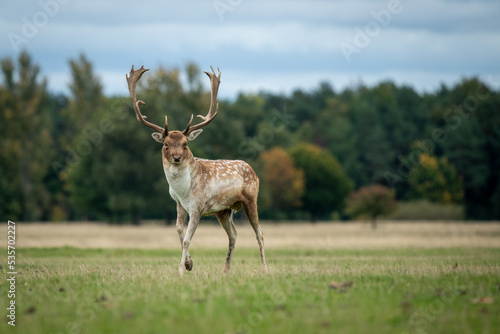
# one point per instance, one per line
(132, 81)
(215, 82)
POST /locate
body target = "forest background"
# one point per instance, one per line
(84, 156)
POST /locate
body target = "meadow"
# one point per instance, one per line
(323, 278)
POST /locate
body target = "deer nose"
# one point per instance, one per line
(177, 159)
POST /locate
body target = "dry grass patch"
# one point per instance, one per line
(352, 235)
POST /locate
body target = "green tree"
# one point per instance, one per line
(326, 184)
(372, 146)
(25, 145)
(435, 180)
(121, 179)
(72, 138)
(371, 201)
(470, 118)
(86, 96)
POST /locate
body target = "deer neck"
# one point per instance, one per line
(180, 177)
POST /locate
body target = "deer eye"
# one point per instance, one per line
(185, 145)
(166, 145)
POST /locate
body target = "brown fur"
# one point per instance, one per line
(202, 187)
(209, 187)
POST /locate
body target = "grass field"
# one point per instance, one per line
(324, 278)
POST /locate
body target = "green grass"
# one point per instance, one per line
(69, 290)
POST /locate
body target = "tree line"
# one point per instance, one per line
(84, 156)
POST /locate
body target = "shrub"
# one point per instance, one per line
(371, 201)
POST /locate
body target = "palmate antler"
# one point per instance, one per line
(132, 81)
(214, 83)
(134, 77)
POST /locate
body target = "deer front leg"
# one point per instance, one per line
(181, 218)
(194, 219)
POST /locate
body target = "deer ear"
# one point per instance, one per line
(158, 137)
(192, 136)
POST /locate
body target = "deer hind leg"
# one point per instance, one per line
(181, 218)
(226, 220)
(253, 217)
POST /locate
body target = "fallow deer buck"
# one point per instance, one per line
(202, 187)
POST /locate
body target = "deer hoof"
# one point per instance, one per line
(189, 265)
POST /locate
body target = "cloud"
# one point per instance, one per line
(271, 45)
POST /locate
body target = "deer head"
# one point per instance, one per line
(175, 149)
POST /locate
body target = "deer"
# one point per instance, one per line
(202, 187)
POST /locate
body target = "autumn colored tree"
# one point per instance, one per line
(435, 180)
(285, 182)
(371, 201)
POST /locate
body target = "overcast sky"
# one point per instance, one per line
(262, 45)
